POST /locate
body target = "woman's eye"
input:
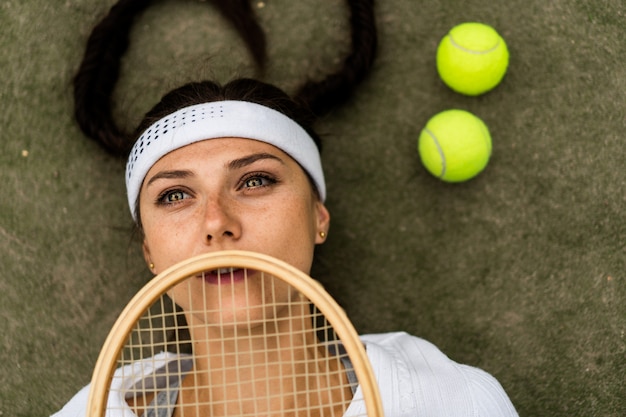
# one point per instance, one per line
(258, 181)
(255, 182)
(173, 196)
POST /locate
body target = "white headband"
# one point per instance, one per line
(220, 119)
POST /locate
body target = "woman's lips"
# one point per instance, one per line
(225, 276)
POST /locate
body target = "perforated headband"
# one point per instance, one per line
(240, 119)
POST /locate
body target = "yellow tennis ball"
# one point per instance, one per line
(472, 58)
(455, 145)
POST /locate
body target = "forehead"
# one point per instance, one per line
(219, 151)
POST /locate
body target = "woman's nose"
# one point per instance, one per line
(221, 221)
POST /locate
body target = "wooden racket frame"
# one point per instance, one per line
(159, 285)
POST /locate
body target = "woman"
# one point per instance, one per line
(238, 167)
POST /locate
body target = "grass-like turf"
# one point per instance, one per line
(519, 271)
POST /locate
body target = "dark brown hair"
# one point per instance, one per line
(98, 73)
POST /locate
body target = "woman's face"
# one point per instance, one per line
(229, 193)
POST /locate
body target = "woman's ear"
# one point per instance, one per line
(147, 257)
(323, 222)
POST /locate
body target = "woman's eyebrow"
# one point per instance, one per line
(170, 174)
(234, 164)
(247, 160)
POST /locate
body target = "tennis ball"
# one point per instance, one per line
(472, 58)
(455, 145)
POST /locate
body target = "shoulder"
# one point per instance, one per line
(415, 377)
(77, 406)
(157, 365)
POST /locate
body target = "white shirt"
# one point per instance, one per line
(415, 379)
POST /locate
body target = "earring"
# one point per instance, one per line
(151, 266)
(322, 234)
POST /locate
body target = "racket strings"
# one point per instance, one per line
(233, 343)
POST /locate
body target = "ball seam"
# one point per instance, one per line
(471, 51)
(440, 150)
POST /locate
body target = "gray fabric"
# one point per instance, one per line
(166, 380)
(164, 403)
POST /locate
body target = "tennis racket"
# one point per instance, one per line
(233, 333)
